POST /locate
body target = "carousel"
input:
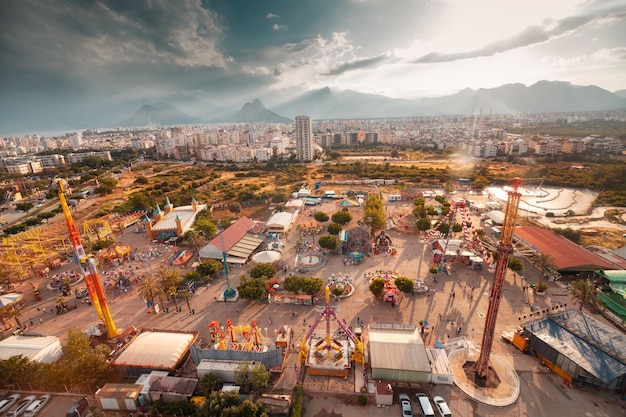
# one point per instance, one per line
(340, 285)
(114, 254)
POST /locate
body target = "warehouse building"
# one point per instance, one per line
(580, 349)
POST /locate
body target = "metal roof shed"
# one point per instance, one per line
(581, 348)
(397, 353)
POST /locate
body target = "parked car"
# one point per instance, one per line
(79, 409)
(21, 406)
(81, 293)
(37, 405)
(8, 402)
(424, 404)
(405, 404)
(442, 407)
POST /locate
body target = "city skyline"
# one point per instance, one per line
(68, 57)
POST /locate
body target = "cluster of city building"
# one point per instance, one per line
(259, 142)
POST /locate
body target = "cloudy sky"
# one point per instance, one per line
(76, 55)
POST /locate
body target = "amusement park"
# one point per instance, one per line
(388, 311)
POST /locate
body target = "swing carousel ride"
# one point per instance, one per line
(331, 353)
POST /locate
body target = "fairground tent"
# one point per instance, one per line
(10, 298)
(114, 252)
(346, 203)
(267, 256)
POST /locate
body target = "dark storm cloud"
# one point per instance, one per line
(358, 64)
(84, 39)
(532, 35)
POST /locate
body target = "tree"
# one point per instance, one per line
(107, 185)
(279, 197)
(186, 295)
(225, 404)
(266, 270)
(423, 224)
(307, 285)
(260, 376)
(515, 264)
(148, 288)
(584, 292)
(457, 227)
(480, 182)
(312, 285)
(374, 214)
(328, 242)
(252, 376)
(334, 229)
(341, 217)
(140, 201)
(292, 283)
(320, 216)
(82, 364)
(234, 208)
(377, 287)
(142, 180)
(18, 369)
(209, 383)
(243, 375)
(206, 227)
(545, 261)
(404, 284)
(444, 228)
(209, 267)
(195, 240)
(420, 211)
(168, 280)
(251, 289)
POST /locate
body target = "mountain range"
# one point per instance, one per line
(185, 109)
(541, 97)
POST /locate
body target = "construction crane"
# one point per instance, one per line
(504, 249)
(88, 267)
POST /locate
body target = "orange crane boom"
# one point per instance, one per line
(88, 268)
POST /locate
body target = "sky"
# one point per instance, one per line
(70, 57)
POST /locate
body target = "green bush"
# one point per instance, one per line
(298, 399)
(362, 400)
(433, 270)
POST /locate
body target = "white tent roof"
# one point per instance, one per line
(282, 218)
(496, 215)
(43, 349)
(267, 256)
(161, 350)
(396, 346)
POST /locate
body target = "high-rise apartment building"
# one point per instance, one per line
(304, 138)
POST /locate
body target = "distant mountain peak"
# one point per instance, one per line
(256, 104)
(159, 114)
(254, 112)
